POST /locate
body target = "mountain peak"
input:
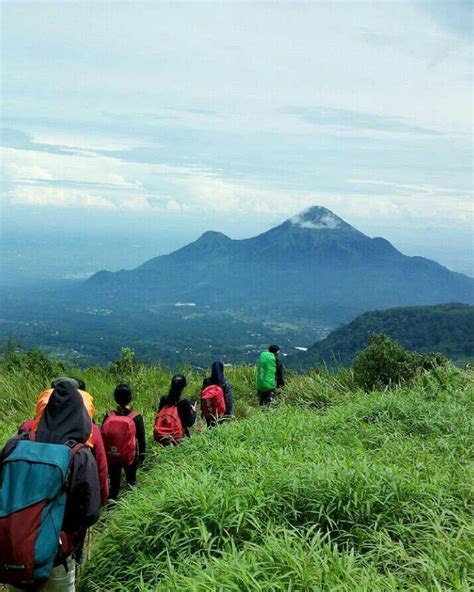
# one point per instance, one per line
(318, 218)
(211, 236)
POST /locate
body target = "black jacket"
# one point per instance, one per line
(280, 374)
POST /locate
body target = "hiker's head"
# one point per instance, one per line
(274, 349)
(69, 379)
(178, 384)
(65, 417)
(123, 394)
(217, 373)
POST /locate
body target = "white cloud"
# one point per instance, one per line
(396, 208)
(107, 183)
(17, 170)
(173, 206)
(103, 182)
(58, 198)
(84, 143)
(410, 187)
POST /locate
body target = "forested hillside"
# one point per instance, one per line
(444, 328)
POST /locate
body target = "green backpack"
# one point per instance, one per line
(266, 372)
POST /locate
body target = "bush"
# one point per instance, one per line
(33, 362)
(386, 363)
(125, 366)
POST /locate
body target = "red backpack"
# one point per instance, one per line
(213, 402)
(168, 426)
(120, 438)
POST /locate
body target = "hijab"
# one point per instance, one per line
(178, 383)
(217, 374)
(64, 417)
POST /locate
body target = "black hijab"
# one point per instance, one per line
(65, 417)
(178, 384)
(217, 373)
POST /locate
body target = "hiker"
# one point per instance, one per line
(217, 402)
(123, 432)
(270, 375)
(44, 397)
(175, 414)
(49, 485)
(95, 439)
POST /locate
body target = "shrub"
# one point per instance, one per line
(125, 366)
(32, 361)
(386, 363)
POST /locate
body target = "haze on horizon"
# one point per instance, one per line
(127, 131)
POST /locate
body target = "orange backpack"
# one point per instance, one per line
(168, 427)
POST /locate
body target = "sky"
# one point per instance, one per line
(129, 128)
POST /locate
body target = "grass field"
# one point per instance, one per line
(334, 489)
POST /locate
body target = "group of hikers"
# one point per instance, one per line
(61, 467)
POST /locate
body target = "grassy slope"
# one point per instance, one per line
(373, 492)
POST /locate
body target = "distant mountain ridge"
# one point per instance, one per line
(446, 328)
(312, 265)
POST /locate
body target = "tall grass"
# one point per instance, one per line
(374, 494)
(334, 489)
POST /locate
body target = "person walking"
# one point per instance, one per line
(270, 375)
(217, 401)
(123, 432)
(49, 485)
(95, 439)
(175, 414)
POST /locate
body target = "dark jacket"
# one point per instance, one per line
(139, 431)
(280, 374)
(185, 412)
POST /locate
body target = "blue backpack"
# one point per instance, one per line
(33, 491)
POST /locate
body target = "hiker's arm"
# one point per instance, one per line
(8, 448)
(228, 398)
(83, 503)
(141, 439)
(280, 378)
(186, 413)
(101, 459)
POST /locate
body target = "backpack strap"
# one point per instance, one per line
(133, 414)
(75, 447)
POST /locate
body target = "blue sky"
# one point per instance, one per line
(149, 123)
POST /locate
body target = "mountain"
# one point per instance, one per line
(446, 328)
(314, 265)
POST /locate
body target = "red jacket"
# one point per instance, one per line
(101, 459)
(99, 453)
